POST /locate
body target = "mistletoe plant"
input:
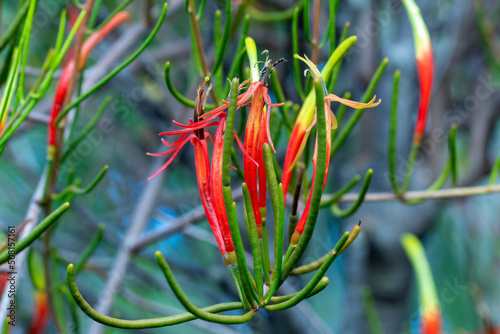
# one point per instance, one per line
(255, 290)
(250, 110)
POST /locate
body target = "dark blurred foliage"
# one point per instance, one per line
(461, 237)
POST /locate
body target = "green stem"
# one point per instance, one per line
(36, 232)
(323, 283)
(14, 26)
(221, 49)
(137, 324)
(269, 17)
(313, 282)
(453, 155)
(85, 132)
(190, 307)
(370, 310)
(343, 213)
(254, 241)
(73, 189)
(392, 133)
(295, 50)
(330, 199)
(279, 219)
(90, 248)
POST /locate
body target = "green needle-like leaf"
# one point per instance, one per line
(36, 232)
(453, 155)
(90, 248)
(137, 324)
(190, 307)
(343, 213)
(314, 281)
(254, 241)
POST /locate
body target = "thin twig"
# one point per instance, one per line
(424, 194)
(193, 216)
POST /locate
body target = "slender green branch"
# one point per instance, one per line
(190, 307)
(119, 8)
(453, 155)
(14, 26)
(343, 213)
(323, 283)
(254, 241)
(392, 133)
(338, 194)
(36, 232)
(494, 171)
(85, 132)
(279, 219)
(268, 16)
(137, 324)
(295, 50)
(90, 248)
(219, 56)
(314, 281)
(370, 310)
(73, 189)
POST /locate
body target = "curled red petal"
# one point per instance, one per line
(178, 132)
(177, 149)
(175, 143)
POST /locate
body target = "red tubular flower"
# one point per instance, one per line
(257, 133)
(430, 312)
(425, 65)
(299, 136)
(62, 85)
(216, 184)
(41, 316)
(209, 176)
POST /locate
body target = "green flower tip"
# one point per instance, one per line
(71, 269)
(410, 243)
(159, 255)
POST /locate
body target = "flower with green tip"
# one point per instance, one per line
(430, 311)
(425, 65)
(302, 127)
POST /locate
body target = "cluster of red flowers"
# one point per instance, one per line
(257, 133)
(209, 175)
